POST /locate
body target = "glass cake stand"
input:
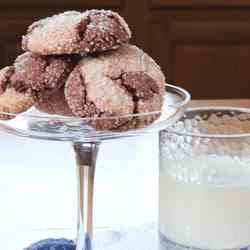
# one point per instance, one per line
(87, 143)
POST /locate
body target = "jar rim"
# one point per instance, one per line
(212, 109)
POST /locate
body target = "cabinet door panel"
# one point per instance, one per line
(213, 71)
(11, 32)
(199, 3)
(209, 58)
(11, 49)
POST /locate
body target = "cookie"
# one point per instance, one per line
(12, 99)
(75, 32)
(117, 83)
(42, 74)
(30, 79)
(55, 104)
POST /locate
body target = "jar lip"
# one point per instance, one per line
(237, 135)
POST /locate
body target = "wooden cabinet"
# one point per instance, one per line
(201, 45)
(16, 16)
(61, 3)
(11, 32)
(199, 3)
(207, 54)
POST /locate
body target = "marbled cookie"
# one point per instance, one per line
(75, 32)
(30, 79)
(116, 83)
(12, 99)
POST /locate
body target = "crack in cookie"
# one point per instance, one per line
(141, 87)
(76, 95)
(139, 84)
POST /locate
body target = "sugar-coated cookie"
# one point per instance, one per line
(12, 98)
(75, 32)
(30, 79)
(116, 83)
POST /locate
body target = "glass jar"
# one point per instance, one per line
(204, 180)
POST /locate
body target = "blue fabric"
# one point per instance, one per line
(53, 244)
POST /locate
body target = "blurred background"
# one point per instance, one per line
(202, 45)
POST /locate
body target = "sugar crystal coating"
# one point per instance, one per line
(41, 73)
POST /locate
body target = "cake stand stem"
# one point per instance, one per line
(86, 156)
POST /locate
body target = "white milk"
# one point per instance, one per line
(205, 202)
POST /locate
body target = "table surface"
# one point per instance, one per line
(27, 176)
(227, 102)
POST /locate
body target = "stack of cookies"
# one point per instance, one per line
(82, 65)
